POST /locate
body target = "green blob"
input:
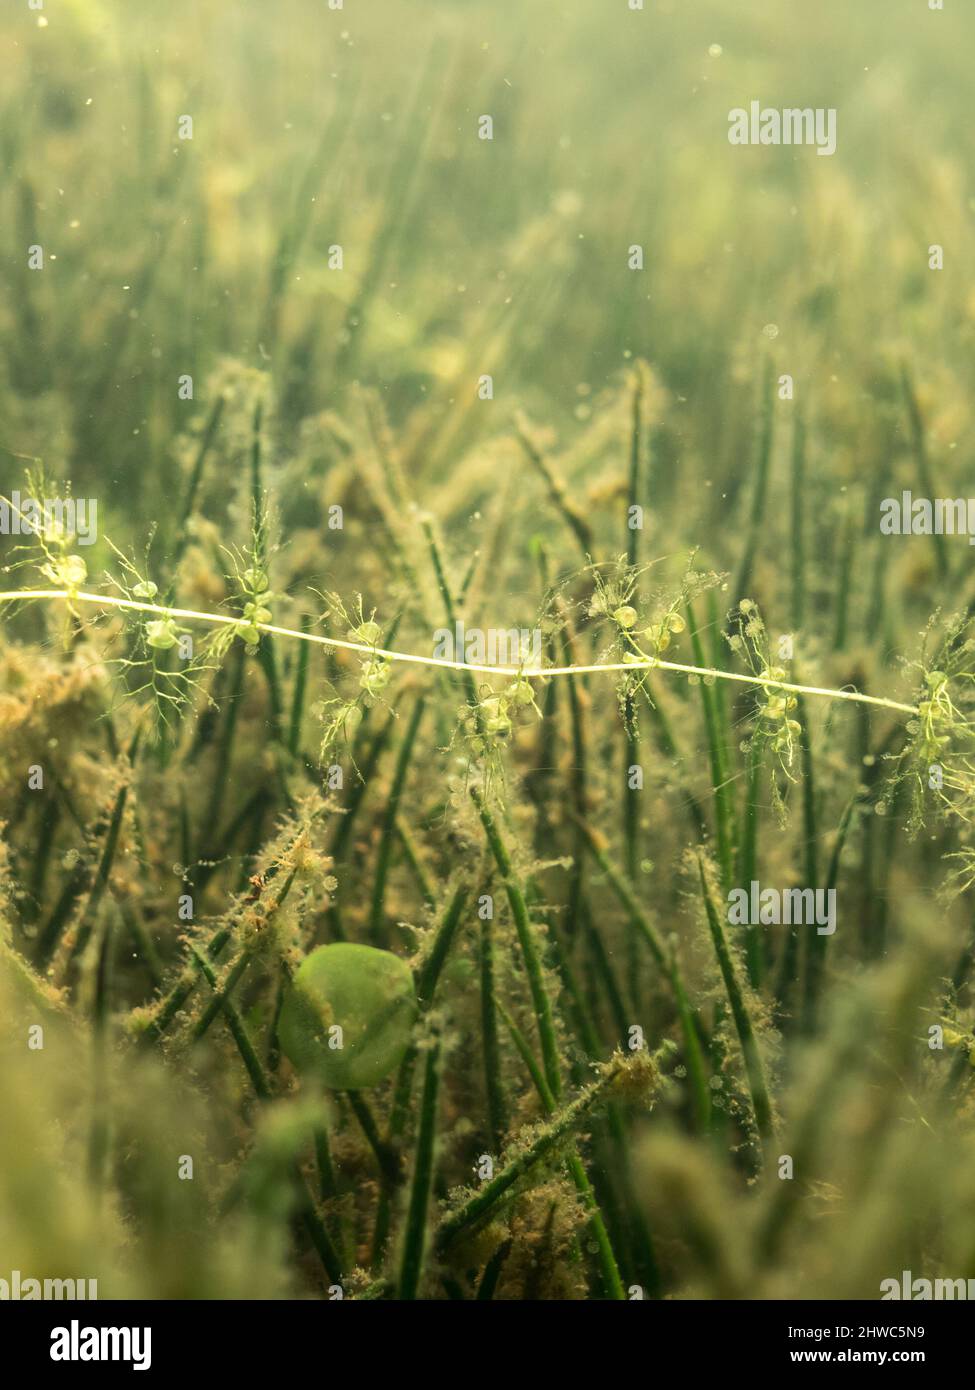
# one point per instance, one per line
(366, 993)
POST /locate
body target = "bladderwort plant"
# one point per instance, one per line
(341, 716)
(174, 660)
(267, 925)
(162, 633)
(939, 758)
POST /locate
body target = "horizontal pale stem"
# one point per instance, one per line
(528, 673)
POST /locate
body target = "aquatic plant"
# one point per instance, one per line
(352, 945)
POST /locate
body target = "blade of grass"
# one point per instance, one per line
(104, 866)
(298, 694)
(798, 520)
(547, 1137)
(754, 1067)
(720, 783)
(817, 957)
(763, 453)
(492, 1272)
(423, 880)
(557, 491)
(609, 1267)
(640, 922)
(493, 1083)
(416, 1217)
(526, 939)
(388, 830)
(426, 984)
(754, 948)
(920, 449)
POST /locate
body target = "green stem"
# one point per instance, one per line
(416, 1216)
(169, 1008)
(427, 978)
(570, 1118)
(754, 1068)
(429, 972)
(798, 520)
(184, 986)
(847, 545)
(559, 495)
(388, 833)
(526, 940)
(196, 477)
(668, 746)
(298, 694)
(754, 952)
(493, 1084)
(473, 699)
(925, 476)
(492, 1272)
(222, 996)
(417, 867)
(527, 1056)
(245, 1047)
(817, 956)
(577, 1171)
(211, 821)
(763, 454)
(720, 783)
(385, 1157)
(105, 864)
(694, 1052)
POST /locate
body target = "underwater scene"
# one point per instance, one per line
(487, 664)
